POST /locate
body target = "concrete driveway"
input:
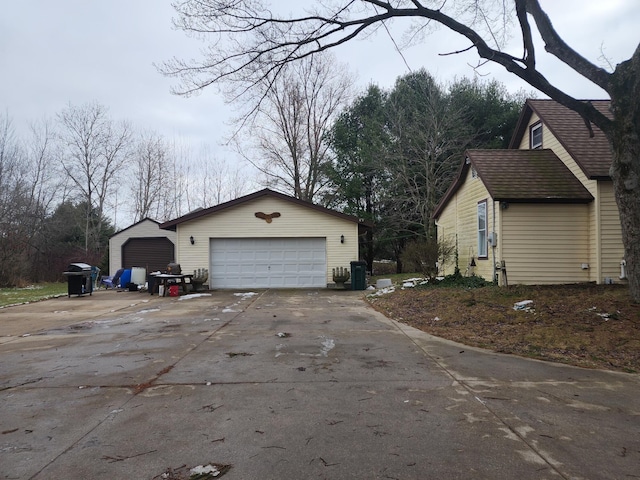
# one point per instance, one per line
(128, 386)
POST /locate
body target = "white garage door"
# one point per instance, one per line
(267, 262)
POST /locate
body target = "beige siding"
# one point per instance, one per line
(594, 211)
(241, 222)
(458, 223)
(612, 250)
(144, 229)
(524, 143)
(545, 244)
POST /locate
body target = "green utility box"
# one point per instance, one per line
(358, 275)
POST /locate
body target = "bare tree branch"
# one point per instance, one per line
(252, 43)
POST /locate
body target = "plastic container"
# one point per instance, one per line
(358, 275)
(138, 275)
(125, 278)
(174, 291)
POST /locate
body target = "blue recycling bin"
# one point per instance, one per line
(125, 278)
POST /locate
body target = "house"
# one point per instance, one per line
(542, 211)
(142, 244)
(265, 240)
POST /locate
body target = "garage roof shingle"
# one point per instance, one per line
(527, 176)
(520, 176)
(591, 153)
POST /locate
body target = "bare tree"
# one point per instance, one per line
(427, 135)
(46, 185)
(253, 42)
(149, 177)
(175, 198)
(46, 188)
(12, 193)
(215, 180)
(95, 152)
(288, 123)
(28, 187)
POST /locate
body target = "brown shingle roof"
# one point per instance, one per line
(592, 154)
(527, 176)
(520, 176)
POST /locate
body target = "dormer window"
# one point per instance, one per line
(535, 136)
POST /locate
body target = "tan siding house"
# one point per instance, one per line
(551, 198)
(458, 226)
(266, 239)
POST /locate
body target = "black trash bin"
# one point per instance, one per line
(358, 275)
(79, 279)
(151, 283)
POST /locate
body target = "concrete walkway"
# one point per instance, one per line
(290, 385)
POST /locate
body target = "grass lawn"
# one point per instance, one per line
(32, 293)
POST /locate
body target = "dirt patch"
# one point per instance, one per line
(594, 326)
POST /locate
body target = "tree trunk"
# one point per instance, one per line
(626, 182)
(624, 138)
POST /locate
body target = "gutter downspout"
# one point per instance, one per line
(493, 247)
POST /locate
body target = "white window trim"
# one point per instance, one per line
(483, 247)
(535, 127)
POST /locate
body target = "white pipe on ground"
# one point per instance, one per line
(623, 269)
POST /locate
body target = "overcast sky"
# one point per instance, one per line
(55, 52)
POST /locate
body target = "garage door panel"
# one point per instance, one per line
(277, 256)
(153, 253)
(291, 255)
(248, 269)
(267, 263)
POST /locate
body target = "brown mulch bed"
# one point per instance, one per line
(594, 326)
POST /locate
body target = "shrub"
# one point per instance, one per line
(423, 256)
(384, 268)
(457, 280)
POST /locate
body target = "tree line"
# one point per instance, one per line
(385, 156)
(397, 152)
(65, 182)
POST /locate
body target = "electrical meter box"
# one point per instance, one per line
(493, 239)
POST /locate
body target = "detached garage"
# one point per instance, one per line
(142, 244)
(266, 240)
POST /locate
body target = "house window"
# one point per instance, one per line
(535, 136)
(482, 229)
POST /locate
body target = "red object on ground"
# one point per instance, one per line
(174, 291)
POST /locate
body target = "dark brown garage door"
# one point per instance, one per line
(151, 253)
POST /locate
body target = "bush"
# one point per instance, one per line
(384, 268)
(423, 256)
(457, 280)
